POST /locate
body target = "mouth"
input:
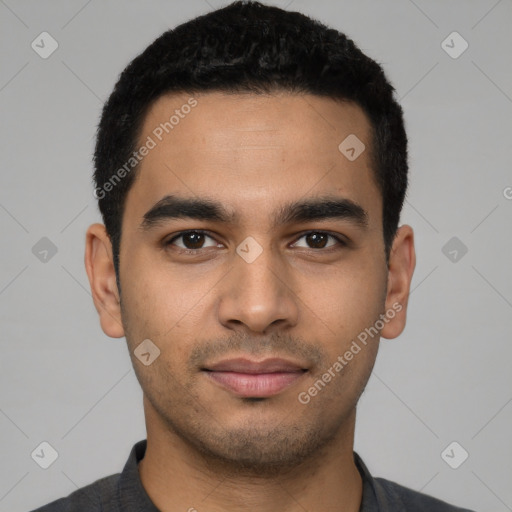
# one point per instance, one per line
(255, 379)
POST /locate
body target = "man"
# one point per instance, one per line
(250, 167)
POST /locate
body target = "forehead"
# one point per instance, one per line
(251, 152)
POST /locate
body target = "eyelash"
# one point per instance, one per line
(338, 239)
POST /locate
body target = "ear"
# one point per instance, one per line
(99, 265)
(402, 261)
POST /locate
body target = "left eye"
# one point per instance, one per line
(318, 240)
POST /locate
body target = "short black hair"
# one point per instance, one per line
(249, 47)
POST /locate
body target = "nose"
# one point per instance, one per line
(258, 296)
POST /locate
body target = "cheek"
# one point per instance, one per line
(159, 301)
(351, 299)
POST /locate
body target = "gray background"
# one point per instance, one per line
(447, 378)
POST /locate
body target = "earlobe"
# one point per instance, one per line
(402, 261)
(99, 265)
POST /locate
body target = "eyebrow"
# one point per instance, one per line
(205, 209)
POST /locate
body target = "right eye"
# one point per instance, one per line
(192, 241)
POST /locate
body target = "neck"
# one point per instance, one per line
(178, 478)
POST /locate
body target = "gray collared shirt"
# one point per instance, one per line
(123, 492)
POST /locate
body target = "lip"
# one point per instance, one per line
(258, 379)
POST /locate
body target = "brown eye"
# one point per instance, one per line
(319, 240)
(191, 240)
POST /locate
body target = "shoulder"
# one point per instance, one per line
(98, 496)
(394, 495)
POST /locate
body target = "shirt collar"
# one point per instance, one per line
(369, 501)
(132, 495)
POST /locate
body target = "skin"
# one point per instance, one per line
(209, 449)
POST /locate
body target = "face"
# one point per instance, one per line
(252, 257)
